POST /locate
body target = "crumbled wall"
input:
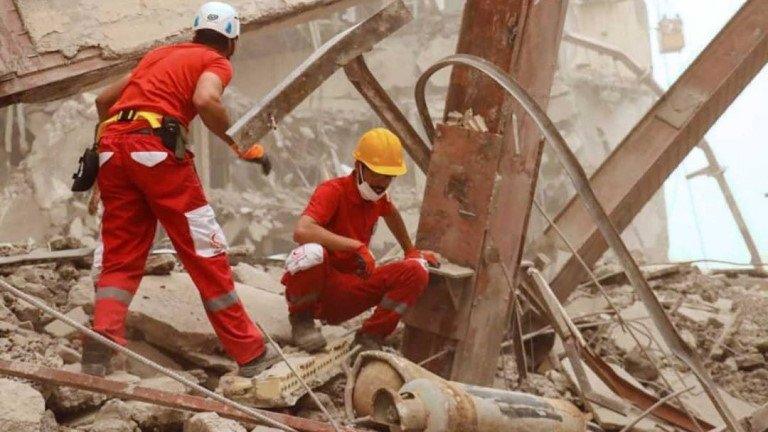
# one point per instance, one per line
(123, 26)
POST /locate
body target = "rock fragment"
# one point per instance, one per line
(211, 422)
(22, 408)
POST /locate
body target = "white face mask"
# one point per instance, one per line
(366, 191)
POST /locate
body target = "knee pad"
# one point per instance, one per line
(304, 257)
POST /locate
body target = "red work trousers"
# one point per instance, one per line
(335, 297)
(141, 182)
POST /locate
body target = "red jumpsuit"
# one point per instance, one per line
(142, 182)
(325, 282)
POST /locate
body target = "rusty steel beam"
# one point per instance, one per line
(30, 76)
(637, 168)
(307, 77)
(129, 391)
(480, 185)
(489, 30)
(714, 169)
(365, 83)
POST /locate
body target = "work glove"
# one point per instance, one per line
(430, 257)
(257, 155)
(365, 261)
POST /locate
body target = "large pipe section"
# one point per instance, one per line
(407, 398)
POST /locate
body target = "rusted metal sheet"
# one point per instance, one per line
(365, 83)
(637, 168)
(334, 54)
(453, 218)
(501, 218)
(29, 76)
(132, 392)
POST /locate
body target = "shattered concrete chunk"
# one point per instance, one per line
(211, 422)
(64, 243)
(640, 367)
(69, 355)
(148, 351)
(25, 311)
(160, 264)
(750, 362)
(268, 280)
(155, 417)
(114, 416)
(60, 329)
(82, 294)
(188, 328)
(66, 401)
(22, 407)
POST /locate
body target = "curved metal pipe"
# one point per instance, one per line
(584, 190)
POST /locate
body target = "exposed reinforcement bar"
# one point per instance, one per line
(171, 400)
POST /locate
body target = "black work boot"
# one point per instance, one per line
(96, 358)
(367, 341)
(305, 334)
(269, 358)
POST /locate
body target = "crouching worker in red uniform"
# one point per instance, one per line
(332, 276)
(145, 177)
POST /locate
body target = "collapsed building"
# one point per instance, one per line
(593, 355)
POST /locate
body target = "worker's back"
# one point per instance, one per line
(164, 81)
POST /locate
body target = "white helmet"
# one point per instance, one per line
(219, 17)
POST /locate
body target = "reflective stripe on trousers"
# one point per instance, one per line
(221, 302)
(114, 293)
(394, 306)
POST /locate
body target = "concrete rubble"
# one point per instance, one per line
(21, 407)
(723, 315)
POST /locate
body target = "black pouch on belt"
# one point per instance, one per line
(173, 137)
(87, 170)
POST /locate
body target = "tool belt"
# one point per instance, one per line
(171, 132)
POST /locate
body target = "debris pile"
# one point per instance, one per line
(720, 314)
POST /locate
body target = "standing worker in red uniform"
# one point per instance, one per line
(332, 276)
(147, 175)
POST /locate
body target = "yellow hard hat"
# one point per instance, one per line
(381, 151)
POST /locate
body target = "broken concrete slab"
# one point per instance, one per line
(114, 416)
(67, 401)
(216, 363)
(266, 278)
(160, 264)
(155, 417)
(585, 305)
(640, 367)
(60, 329)
(148, 351)
(211, 422)
(610, 420)
(698, 401)
(187, 329)
(21, 407)
(702, 317)
(750, 362)
(82, 295)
